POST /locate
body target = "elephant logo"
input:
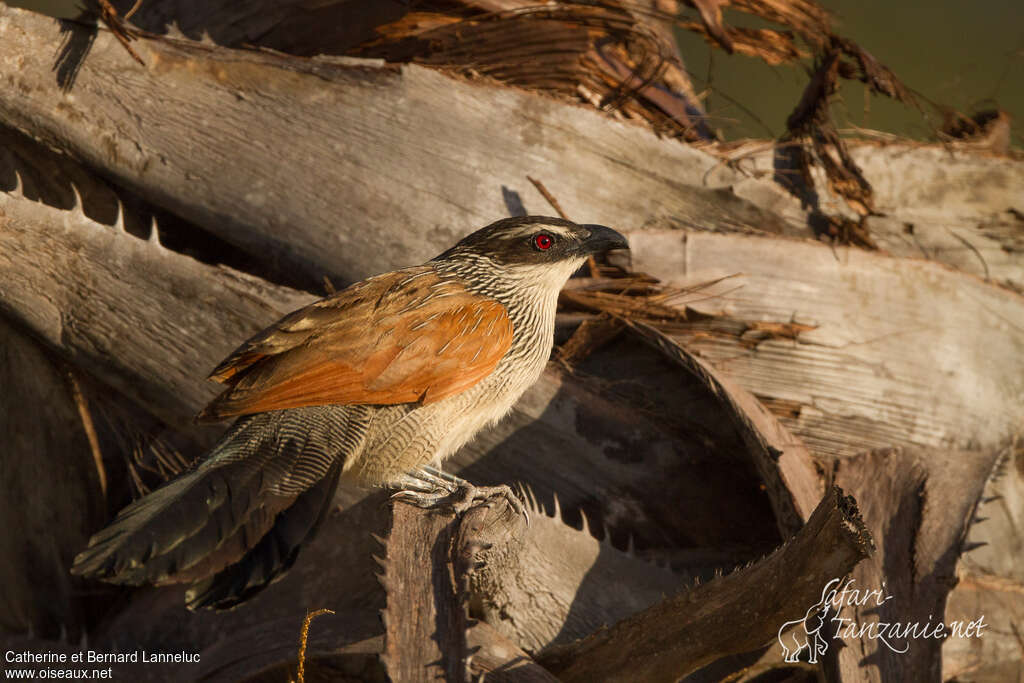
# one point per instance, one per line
(808, 632)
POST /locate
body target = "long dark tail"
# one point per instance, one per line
(235, 523)
(272, 556)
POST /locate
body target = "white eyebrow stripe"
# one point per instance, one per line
(528, 230)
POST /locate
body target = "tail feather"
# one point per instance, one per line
(233, 547)
(172, 528)
(241, 515)
(275, 553)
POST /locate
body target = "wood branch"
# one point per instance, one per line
(903, 352)
(342, 27)
(425, 620)
(428, 635)
(736, 613)
(475, 557)
(547, 583)
(380, 127)
(121, 117)
(155, 345)
(927, 198)
(496, 659)
(990, 578)
(919, 506)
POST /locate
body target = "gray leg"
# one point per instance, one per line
(428, 487)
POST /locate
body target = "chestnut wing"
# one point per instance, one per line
(402, 337)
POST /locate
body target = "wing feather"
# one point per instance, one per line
(403, 337)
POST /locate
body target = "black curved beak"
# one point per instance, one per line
(602, 239)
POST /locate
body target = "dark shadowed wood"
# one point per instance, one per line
(52, 498)
(338, 642)
(919, 506)
(733, 614)
(336, 571)
(140, 673)
(782, 460)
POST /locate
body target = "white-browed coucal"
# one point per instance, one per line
(371, 386)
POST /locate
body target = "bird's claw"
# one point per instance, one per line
(434, 491)
(484, 495)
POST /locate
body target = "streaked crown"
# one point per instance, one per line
(535, 240)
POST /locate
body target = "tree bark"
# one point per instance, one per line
(886, 351)
(349, 125)
(736, 613)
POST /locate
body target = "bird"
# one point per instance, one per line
(372, 386)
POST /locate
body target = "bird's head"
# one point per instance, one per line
(548, 249)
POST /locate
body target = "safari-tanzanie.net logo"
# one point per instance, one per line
(824, 621)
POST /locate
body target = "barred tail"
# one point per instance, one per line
(235, 523)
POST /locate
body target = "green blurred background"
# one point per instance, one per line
(964, 55)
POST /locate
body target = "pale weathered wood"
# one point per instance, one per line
(990, 580)
(96, 297)
(358, 167)
(957, 206)
(424, 620)
(345, 193)
(902, 351)
(547, 583)
(736, 613)
(432, 556)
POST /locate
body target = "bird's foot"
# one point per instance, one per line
(427, 487)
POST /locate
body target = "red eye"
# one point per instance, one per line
(543, 241)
